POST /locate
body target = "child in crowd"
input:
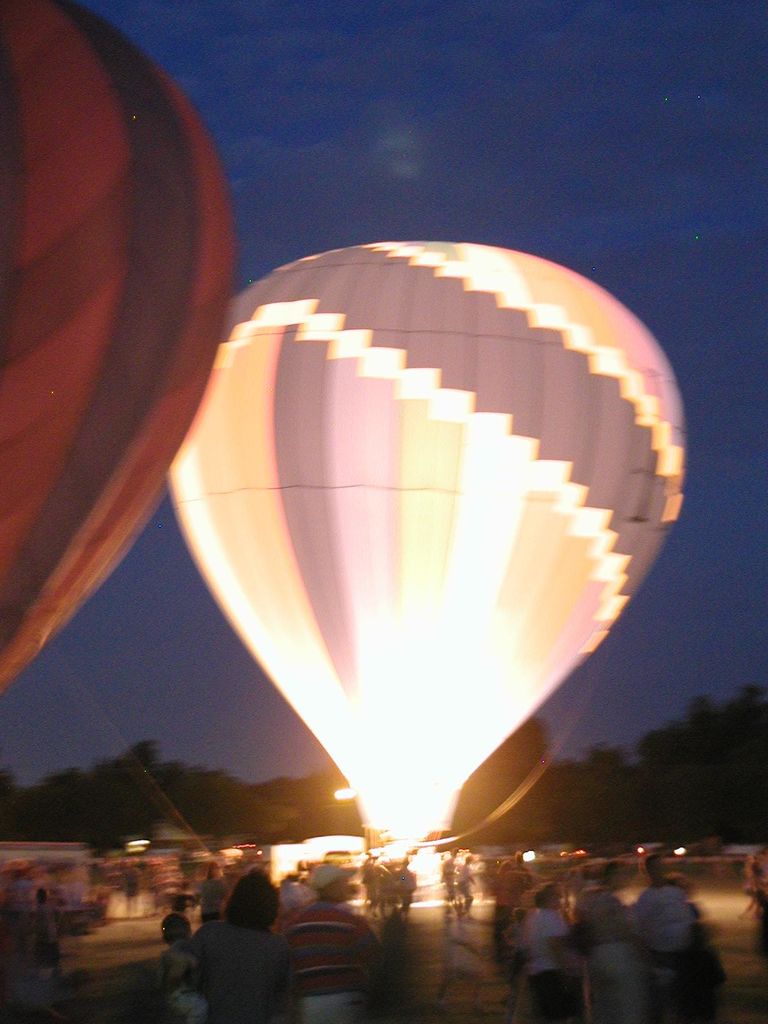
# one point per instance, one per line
(179, 971)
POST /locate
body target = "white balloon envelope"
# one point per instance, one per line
(423, 483)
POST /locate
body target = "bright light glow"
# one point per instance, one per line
(641, 850)
(320, 327)
(231, 853)
(136, 845)
(346, 793)
(277, 313)
(529, 856)
(672, 508)
(388, 541)
(318, 847)
(680, 851)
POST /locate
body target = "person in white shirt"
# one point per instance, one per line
(618, 975)
(465, 882)
(664, 922)
(556, 991)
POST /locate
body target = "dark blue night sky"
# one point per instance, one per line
(625, 140)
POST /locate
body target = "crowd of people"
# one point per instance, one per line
(643, 963)
(581, 953)
(756, 886)
(240, 950)
(387, 887)
(37, 907)
(239, 968)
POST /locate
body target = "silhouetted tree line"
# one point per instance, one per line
(703, 776)
(129, 795)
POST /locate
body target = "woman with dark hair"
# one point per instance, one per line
(243, 965)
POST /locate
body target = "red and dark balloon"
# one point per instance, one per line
(116, 253)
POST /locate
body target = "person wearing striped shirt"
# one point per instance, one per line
(332, 951)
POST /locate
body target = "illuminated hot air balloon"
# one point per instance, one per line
(115, 268)
(423, 483)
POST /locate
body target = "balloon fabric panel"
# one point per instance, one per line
(300, 449)
(363, 470)
(461, 458)
(67, 281)
(125, 389)
(122, 257)
(241, 481)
